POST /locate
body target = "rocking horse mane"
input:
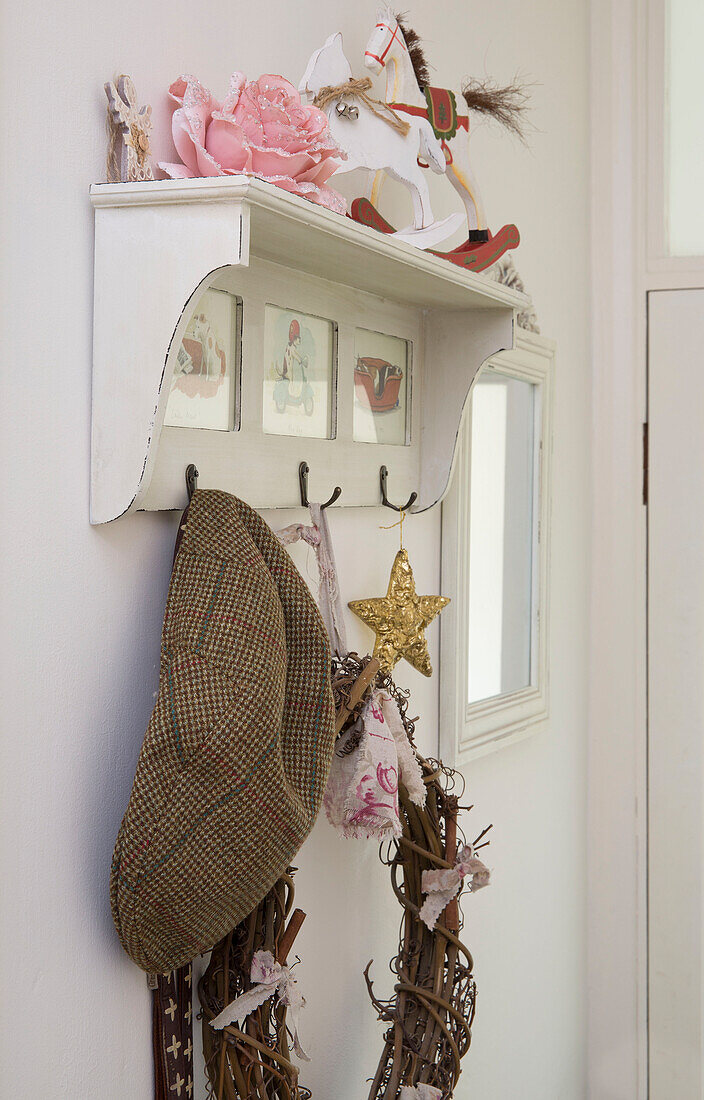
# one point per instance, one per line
(507, 104)
(415, 50)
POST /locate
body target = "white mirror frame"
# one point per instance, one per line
(468, 730)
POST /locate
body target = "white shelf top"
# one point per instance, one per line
(289, 230)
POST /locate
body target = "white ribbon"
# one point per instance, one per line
(329, 599)
(442, 886)
(420, 1092)
(270, 977)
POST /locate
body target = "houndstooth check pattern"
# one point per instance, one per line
(236, 755)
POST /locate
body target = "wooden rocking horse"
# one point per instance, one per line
(435, 135)
(395, 48)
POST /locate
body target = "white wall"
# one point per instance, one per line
(84, 605)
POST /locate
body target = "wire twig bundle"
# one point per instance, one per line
(432, 1008)
(252, 1063)
(434, 1000)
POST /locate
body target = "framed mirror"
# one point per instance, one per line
(496, 562)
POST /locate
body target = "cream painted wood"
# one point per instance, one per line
(290, 230)
(455, 348)
(471, 730)
(148, 273)
(158, 245)
(676, 694)
(264, 468)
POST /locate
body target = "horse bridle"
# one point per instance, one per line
(393, 33)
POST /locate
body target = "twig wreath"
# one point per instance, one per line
(430, 1014)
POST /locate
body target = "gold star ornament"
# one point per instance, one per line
(399, 619)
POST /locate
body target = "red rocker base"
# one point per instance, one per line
(472, 255)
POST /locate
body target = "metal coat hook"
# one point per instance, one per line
(383, 476)
(303, 471)
(192, 476)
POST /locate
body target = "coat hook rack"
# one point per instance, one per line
(192, 476)
(383, 476)
(303, 471)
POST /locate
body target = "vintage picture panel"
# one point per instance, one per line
(300, 353)
(382, 366)
(205, 385)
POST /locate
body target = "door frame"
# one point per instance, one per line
(616, 806)
(627, 42)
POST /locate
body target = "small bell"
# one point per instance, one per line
(347, 110)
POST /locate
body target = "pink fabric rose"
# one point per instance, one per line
(261, 129)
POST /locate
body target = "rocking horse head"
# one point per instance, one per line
(391, 39)
(382, 38)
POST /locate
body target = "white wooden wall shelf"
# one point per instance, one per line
(160, 244)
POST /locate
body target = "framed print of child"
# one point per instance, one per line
(299, 377)
(293, 388)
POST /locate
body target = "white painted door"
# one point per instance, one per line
(676, 694)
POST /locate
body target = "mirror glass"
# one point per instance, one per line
(503, 531)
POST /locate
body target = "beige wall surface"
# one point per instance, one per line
(84, 605)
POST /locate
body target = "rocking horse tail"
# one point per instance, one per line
(430, 147)
(507, 105)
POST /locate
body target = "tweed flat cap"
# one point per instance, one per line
(237, 752)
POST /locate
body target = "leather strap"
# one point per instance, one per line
(172, 1035)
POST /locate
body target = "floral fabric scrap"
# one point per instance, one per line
(442, 886)
(260, 129)
(361, 799)
(269, 978)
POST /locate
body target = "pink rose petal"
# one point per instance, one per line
(275, 162)
(207, 165)
(177, 171)
(180, 131)
(227, 145)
